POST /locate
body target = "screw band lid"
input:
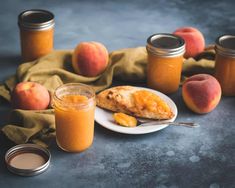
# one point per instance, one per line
(164, 44)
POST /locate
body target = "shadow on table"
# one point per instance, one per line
(9, 59)
(107, 134)
(8, 65)
(5, 110)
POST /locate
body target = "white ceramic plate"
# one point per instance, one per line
(105, 119)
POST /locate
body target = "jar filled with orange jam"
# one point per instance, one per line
(36, 33)
(74, 106)
(165, 60)
(225, 63)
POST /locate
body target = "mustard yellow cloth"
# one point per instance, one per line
(128, 65)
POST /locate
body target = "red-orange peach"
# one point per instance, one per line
(194, 40)
(30, 96)
(90, 59)
(201, 93)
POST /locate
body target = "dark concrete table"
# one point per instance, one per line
(173, 157)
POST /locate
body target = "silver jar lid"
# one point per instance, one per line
(225, 45)
(27, 159)
(164, 44)
(36, 19)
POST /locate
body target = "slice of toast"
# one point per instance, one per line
(134, 101)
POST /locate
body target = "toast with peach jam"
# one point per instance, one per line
(134, 101)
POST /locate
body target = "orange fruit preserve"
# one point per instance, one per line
(147, 100)
(35, 44)
(74, 127)
(74, 117)
(225, 64)
(165, 60)
(36, 33)
(164, 73)
(125, 120)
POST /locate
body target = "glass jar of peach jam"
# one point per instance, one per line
(165, 60)
(36, 33)
(74, 106)
(225, 63)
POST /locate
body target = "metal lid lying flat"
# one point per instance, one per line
(27, 159)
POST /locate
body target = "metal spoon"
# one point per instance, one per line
(152, 123)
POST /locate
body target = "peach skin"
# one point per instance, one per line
(90, 59)
(201, 93)
(194, 40)
(30, 96)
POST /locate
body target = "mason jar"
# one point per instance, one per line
(74, 106)
(36, 33)
(165, 60)
(225, 63)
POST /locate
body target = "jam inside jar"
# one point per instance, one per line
(36, 33)
(225, 63)
(165, 60)
(74, 106)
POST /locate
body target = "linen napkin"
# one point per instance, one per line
(54, 69)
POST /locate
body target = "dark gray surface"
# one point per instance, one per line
(173, 157)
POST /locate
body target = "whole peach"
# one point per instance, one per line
(194, 40)
(201, 93)
(90, 59)
(30, 96)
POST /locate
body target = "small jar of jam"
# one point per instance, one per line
(74, 106)
(225, 63)
(36, 33)
(165, 60)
